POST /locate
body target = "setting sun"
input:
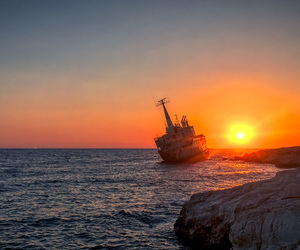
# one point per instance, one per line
(240, 134)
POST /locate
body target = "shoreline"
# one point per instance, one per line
(286, 157)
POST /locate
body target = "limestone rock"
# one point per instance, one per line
(281, 157)
(259, 215)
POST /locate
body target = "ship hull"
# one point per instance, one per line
(178, 157)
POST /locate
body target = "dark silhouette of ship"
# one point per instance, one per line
(180, 143)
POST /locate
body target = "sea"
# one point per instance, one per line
(104, 198)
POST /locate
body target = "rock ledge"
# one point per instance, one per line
(281, 157)
(259, 215)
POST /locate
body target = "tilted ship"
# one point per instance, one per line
(180, 143)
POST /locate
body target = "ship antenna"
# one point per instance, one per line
(168, 119)
(178, 124)
(162, 101)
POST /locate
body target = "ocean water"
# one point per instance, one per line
(104, 198)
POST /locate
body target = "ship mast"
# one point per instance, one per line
(169, 121)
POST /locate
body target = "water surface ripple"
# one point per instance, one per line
(103, 198)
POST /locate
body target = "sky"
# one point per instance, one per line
(77, 74)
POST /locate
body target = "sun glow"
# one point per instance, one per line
(240, 134)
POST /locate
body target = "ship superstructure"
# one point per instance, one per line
(180, 143)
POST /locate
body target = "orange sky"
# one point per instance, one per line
(60, 89)
(89, 118)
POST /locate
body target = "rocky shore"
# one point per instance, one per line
(259, 215)
(281, 157)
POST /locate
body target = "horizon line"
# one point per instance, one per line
(221, 148)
